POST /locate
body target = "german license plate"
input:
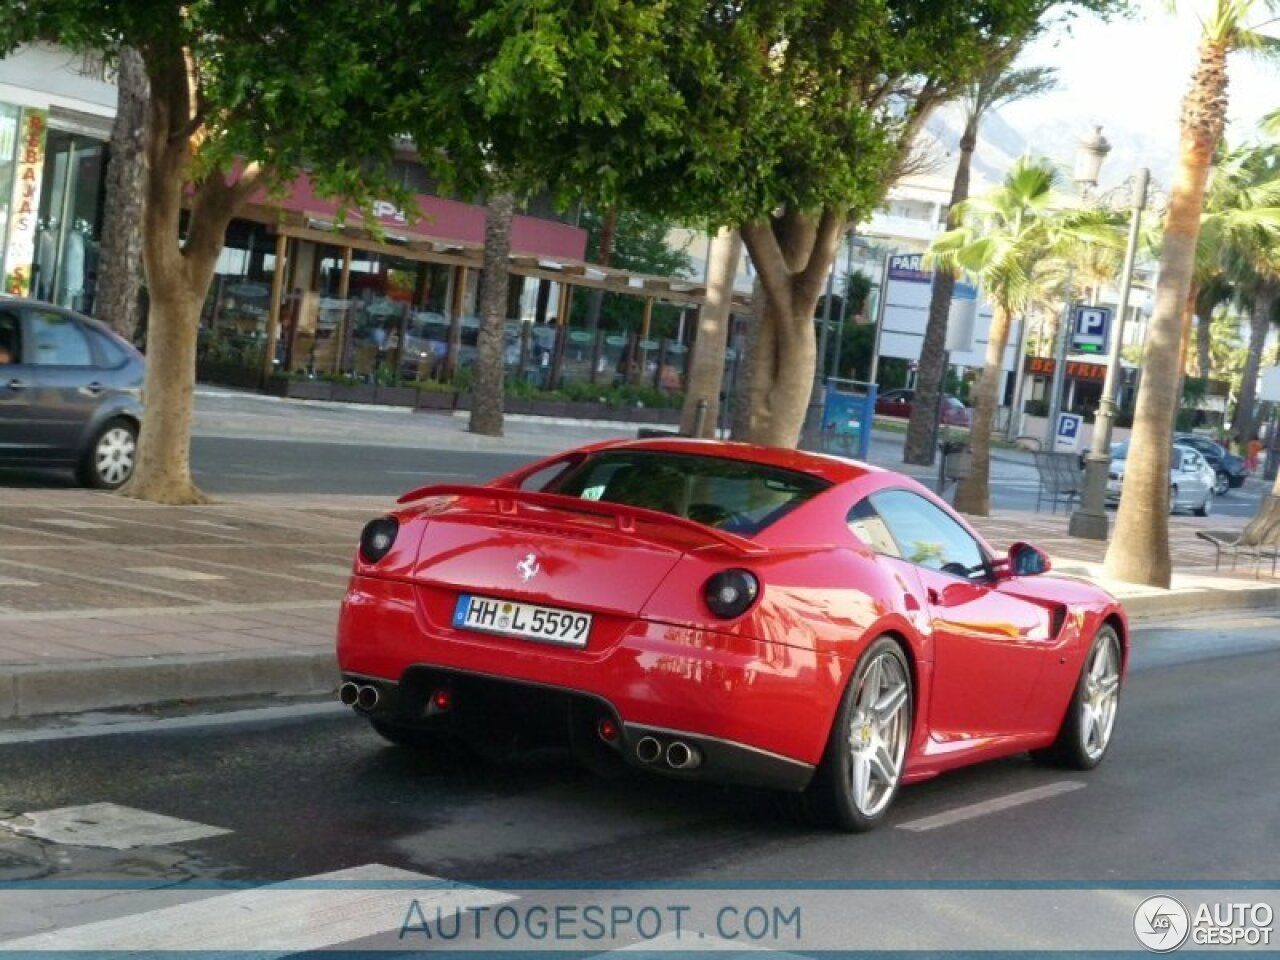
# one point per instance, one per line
(526, 620)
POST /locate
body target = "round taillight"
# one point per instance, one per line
(377, 538)
(731, 593)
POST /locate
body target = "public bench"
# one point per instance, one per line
(1232, 542)
(1060, 478)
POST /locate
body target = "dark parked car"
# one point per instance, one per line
(897, 403)
(70, 393)
(1229, 470)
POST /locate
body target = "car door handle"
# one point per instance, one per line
(15, 384)
(93, 389)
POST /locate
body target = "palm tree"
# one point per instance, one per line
(995, 87)
(1139, 549)
(490, 371)
(1002, 236)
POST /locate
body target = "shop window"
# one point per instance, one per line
(65, 269)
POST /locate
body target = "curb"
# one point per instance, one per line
(45, 689)
(1153, 608)
(42, 689)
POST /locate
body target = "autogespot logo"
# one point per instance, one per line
(1161, 924)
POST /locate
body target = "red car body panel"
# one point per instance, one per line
(994, 664)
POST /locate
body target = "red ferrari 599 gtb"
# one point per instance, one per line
(722, 611)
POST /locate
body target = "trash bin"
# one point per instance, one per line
(957, 460)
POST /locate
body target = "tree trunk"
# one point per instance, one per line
(1242, 426)
(179, 270)
(1204, 347)
(973, 493)
(120, 258)
(793, 255)
(1139, 548)
(608, 230)
(706, 370)
(740, 420)
(487, 389)
(923, 425)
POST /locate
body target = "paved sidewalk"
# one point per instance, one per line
(107, 602)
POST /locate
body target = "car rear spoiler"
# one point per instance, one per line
(509, 500)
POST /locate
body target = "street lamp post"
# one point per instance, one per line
(1090, 520)
(1090, 153)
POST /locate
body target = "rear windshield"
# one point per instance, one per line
(731, 495)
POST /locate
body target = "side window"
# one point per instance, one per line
(926, 536)
(55, 340)
(10, 338)
(111, 352)
(869, 527)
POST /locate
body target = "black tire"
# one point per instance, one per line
(829, 798)
(1073, 748)
(1221, 483)
(110, 457)
(1206, 507)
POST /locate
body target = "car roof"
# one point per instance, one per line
(833, 469)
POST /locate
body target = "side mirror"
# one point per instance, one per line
(1026, 560)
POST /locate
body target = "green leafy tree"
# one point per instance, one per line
(243, 94)
(1139, 548)
(787, 120)
(1003, 235)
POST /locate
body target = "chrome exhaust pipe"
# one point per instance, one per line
(348, 694)
(368, 698)
(648, 750)
(681, 756)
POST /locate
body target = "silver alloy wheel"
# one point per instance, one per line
(878, 733)
(113, 457)
(1221, 483)
(1101, 697)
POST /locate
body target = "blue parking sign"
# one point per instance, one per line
(1066, 435)
(1090, 327)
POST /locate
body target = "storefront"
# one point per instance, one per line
(399, 304)
(55, 123)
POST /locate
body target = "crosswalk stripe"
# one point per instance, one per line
(108, 825)
(311, 913)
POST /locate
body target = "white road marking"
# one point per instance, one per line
(994, 805)
(337, 569)
(176, 573)
(311, 913)
(11, 582)
(199, 721)
(71, 524)
(108, 825)
(211, 523)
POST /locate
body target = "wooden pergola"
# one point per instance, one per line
(463, 257)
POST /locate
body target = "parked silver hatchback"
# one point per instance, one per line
(70, 393)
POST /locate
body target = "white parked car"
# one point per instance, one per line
(1191, 479)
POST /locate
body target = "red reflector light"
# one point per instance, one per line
(442, 700)
(608, 730)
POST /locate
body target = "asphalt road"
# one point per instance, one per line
(1187, 794)
(249, 444)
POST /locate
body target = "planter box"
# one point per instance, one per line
(309, 390)
(228, 375)
(354, 393)
(397, 396)
(434, 400)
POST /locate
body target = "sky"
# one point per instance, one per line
(1129, 76)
